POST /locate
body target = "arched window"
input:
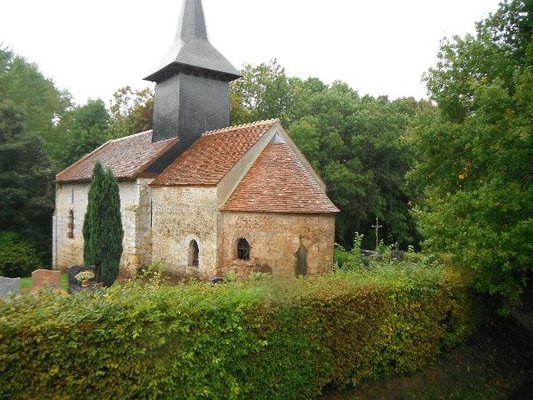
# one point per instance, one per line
(243, 249)
(70, 224)
(193, 253)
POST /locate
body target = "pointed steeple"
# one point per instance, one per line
(191, 93)
(191, 51)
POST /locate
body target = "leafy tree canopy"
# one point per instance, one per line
(85, 129)
(475, 152)
(42, 103)
(131, 111)
(25, 179)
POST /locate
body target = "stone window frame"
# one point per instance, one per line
(193, 252)
(70, 224)
(243, 249)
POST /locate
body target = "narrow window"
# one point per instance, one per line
(70, 224)
(193, 253)
(243, 249)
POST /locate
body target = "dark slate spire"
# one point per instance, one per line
(192, 83)
(192, 50)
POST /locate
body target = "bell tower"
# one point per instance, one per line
(192, 83)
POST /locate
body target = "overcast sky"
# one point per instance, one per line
(381, 47)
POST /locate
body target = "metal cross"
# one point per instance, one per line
(376, 227)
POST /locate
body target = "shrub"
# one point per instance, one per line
(350, 260)
(267, 339)
(18, 257)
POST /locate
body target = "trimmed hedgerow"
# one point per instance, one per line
(260, 340)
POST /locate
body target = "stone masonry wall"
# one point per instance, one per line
(135, 202)
(180, 215)
(274, 240)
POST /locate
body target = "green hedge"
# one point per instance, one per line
(18, 257)
(255, 340)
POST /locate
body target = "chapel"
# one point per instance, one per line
(202, 197)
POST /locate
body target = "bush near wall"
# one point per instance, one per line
(18, 257)
(258, 340)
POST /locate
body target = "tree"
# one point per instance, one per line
(355, 144)
(131, 111)
(37, 97)
(263, 92)
(102, 228)
(475, 152)
(26, 204)
(30, 108)
(85, 129)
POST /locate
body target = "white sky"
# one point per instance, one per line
(381, 47)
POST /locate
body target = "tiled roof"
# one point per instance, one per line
(127, 157)
(213, 155)
(279, 183)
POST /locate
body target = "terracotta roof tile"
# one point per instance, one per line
(127, 157)
(279, 183)
(212, 156)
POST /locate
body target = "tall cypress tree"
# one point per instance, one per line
(95, 201)
(102, 228)
(112, 233)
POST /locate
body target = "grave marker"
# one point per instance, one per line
(9, 286)
(42, 278)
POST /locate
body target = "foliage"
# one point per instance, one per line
(35, 96)
(102, 227)
(25, 180)
(263, 92)
(475, 152)
(84, 276)
(262, 340)
(353, 259)
(85, 129)
(18, 257)
(131, 111)
(490, 367)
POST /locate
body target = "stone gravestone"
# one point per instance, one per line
(397, 254)
(9, 286)
(42, 278)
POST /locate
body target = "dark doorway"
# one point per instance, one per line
(301, 260)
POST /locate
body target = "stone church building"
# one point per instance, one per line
(202, 197)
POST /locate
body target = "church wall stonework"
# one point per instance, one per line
(274, 240)
(180, 215)
(69, 251)
(135, 203)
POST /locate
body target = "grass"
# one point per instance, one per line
(496, 364)
(25, 283)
